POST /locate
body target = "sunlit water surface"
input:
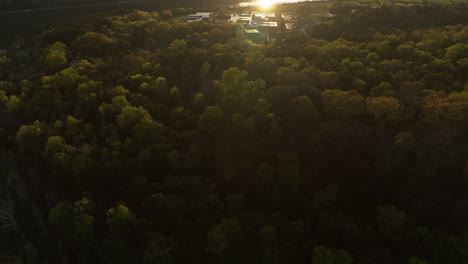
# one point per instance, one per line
(269, 3)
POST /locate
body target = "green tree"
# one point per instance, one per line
(177, 47)
(341, 104)
(225, 239)
(323, 255)
(74, 227)
(119, 220)
(160, 250)
(302, 118)
(383, 108)
(14, 103)
(289, 178)
(211, 121)
(94, 44)
(32, 137)
(416, 260)
(166, 14)
(56, 57)
(238, 94)
(391, 221)
(58, 153)
(457, 52)
(269, 239)
(404, 140)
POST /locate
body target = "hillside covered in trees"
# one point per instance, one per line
(134, 138)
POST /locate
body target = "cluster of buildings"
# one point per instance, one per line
(258, 27)
(200, 16)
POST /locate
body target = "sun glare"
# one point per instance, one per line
(266, 3)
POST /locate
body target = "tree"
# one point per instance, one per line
(383, 89)
(82, 161)
(323, 255)
(130, 117)
(74, 226)
(160, 250)
(166, 14)
(383, 108)
(7, 218)
(177, 48)
(238, 94)
(301, 118)
(268, 239)
(13, 104)
(56, 57)
(325, 197)
(119, 220)
(416, 260)
(225, 240)
(344, 105)
(314, 52)
(391, 221)
(439, 110)
(74, 130)
(404, 140)
(289, 178)
(3, 98)
(94, 44)
(457, 52)
(211, 121)
(89, 94)
(32, 137)
(408, 94)
(57, 152)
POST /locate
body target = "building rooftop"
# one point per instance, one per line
(200, 16)
(264, 24)
(251, 31)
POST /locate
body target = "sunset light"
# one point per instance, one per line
(266, 3)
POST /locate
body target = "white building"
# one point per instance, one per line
(244, 19)
(200, 16)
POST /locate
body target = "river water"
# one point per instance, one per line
(274, 2)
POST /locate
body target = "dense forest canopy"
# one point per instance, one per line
(135, 138)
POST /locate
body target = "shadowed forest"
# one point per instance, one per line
(131, 137)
